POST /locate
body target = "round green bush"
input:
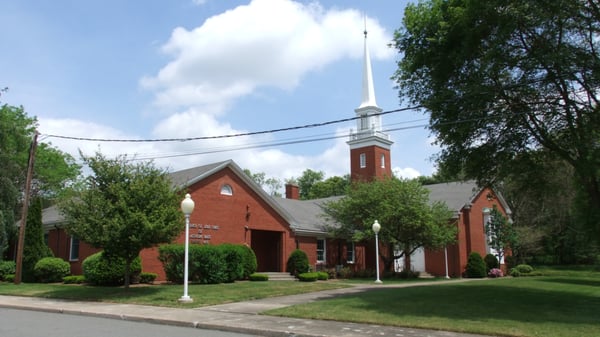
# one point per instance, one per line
(524, 268)
(308, 277)
(233, 258)
(74, 279)
(258, 277)
(7, 268)
(98, 270)
(297, 263)
(248, 260)
(51, 269)
(148, 278)
(476, 267)
(322, 275)
(491, 262)
(514, 272)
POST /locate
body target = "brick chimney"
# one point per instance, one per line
(292, 191)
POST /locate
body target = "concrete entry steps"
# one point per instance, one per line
(276, 276)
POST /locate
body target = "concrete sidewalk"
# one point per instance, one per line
(243, 317)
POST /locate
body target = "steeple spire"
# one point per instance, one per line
(368, 90)
(369, 145)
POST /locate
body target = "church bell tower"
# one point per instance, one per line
(369, 146)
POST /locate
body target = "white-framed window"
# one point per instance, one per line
(321, 250)
(74, 249)
(226, 189)
(382, 160)
(349, 252)
(363, 160)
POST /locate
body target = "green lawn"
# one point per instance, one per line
(561, 303)
(528, 306)
(167, 295)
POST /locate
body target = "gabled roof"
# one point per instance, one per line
(307, 214)
(305, 217)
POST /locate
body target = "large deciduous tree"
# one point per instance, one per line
(502, 78)
(408, 220)
(123, 207)
(53, 169)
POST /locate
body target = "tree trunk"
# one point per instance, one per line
(407, 266)
(127, 272)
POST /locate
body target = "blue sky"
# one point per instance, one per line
(118, 69)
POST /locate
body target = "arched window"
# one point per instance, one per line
(382, 160)
(226, 190)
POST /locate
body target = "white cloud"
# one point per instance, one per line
(406, 172)
(265, 43)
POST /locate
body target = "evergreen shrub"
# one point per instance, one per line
(51, 269)
(233, 257)
(491, 262)
(308, 277)
(148, 278)
(476, 267)
(98, 270)
(74, 279)
(297, 263)
(7, 268)
(249, 261)
(258, 277)
(323, 276)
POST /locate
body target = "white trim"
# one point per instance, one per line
(362, 158)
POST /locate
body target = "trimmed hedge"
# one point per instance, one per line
(74, 279)
(308, 277)
(208, 264)
(51, 269)
(148, 278)
(297, 263)
(98, 270)
(258, 277)
(322, 275)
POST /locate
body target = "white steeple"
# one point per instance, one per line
(369, 122)
(368, 90)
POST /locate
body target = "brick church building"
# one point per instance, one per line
(232, 208)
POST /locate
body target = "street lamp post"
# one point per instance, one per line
(187, 207)
(376, 227)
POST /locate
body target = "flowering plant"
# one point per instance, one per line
(495, 272)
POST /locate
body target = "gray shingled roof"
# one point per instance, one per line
(304, 216)
(307, 214)
(455, 195)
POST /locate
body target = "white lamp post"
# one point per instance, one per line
(187, 207)
(376, 227)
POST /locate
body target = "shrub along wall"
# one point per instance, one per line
(207, 263)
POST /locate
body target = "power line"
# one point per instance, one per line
(314, 125)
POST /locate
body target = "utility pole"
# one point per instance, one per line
(19, 271)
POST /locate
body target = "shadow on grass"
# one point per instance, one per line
(92, 293)
(492, 300)
(572, 281)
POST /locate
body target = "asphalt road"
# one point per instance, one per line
(22, 323)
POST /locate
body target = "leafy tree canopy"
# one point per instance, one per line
(53, 169)
(408, 220)
(502, 78)
(123, 208)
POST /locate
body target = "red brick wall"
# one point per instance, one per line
(373, 163)
(60, 244)
(229, 218)
(470, 238)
